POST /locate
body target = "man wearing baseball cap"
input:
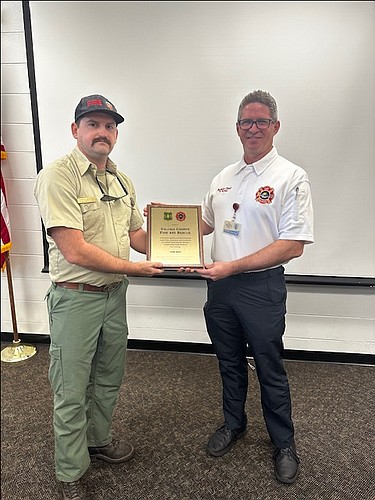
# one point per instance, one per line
(90, 213)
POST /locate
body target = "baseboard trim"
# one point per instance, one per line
(202, 348)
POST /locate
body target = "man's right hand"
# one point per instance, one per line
(145, 268)
(155, 204)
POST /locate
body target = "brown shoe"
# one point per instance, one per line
(72, 491)
(114, 453)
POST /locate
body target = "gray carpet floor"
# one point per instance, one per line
(168, 406)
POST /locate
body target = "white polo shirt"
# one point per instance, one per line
(274, 203)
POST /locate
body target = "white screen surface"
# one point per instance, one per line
(178, 70)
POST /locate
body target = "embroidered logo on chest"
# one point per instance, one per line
(265, 195)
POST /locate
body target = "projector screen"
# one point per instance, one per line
(177, 71)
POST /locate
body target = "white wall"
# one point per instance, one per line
(332, 319)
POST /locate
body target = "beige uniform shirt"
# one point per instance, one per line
(68, 195)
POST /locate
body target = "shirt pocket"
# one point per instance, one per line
(92, 217)
(122, 212)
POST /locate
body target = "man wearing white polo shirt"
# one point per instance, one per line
(260, 213)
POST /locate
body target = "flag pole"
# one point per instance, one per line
(18, 351)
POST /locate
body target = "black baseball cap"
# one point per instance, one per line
(97, 102)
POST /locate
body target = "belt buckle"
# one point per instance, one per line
(110, 287)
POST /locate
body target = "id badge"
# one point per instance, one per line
(232, 227)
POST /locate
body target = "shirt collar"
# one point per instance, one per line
(84, 163)
(260, 165)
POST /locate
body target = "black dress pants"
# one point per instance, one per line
(243, 310)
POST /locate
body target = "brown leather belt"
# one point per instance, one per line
(89, 288)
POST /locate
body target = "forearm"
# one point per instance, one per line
(272, 255)
(79, 252)
(276, 253)
(96, 259)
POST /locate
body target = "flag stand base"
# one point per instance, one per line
(17, 352)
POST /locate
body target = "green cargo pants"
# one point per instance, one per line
(89, 334)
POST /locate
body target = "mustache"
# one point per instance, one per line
(101, 139)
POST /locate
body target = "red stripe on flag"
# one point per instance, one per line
(6, 241)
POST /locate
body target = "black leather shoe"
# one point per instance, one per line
(286, 463)
(223, 439)
(114, 453)
(72, 491)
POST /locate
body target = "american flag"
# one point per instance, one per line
(6, 241)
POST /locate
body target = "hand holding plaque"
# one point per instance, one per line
(174, 235)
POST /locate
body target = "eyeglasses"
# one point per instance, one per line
(261, 123)
(108, 197)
